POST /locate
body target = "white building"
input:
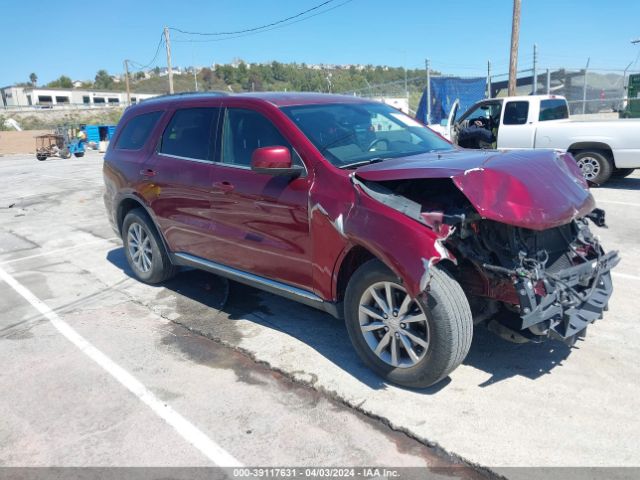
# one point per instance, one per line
(17, 97)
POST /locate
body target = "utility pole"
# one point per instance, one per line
(548, 81)
(167, 42)
(427, 65)
(513, 58)
(534, 82)
(488, 78)
(584, 88)
(126, 81)
(195, 77)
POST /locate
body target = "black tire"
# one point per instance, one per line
(589, 161)
(622, 172)
(448, 315)
(160, 267)
(41, 157)
(79, 154)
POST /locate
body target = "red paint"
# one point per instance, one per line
(271, 157)
(298, 230)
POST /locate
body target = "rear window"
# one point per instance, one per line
(553, 110)
(191, 134)
(135, 133)
(516, 113)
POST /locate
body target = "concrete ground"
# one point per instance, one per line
(506, 406)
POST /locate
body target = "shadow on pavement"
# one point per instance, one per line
(622, 184)
(213, 305)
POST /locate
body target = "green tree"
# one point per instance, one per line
(139, 76)
(33, 78)
(103, 80)
(62, 82)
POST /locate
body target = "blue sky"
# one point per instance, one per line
(458, 36)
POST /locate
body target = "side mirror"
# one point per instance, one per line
(274, 161)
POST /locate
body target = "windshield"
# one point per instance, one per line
(352, 134)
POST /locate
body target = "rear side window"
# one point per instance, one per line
(137, 130)
(516, 113)
(553, 110)
(191, 134)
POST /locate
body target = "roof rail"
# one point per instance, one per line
(213, 93)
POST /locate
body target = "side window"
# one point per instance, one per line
(516, 113)
(191, 134)
(246, 130)
(137, 131)
(555, 109)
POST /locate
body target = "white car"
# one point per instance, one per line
(601, 148)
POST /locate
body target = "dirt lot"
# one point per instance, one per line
(19, 142)
(506, 406)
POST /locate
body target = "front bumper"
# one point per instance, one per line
(575, 297)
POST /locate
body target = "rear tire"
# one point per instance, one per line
(79, 154)
(439, 343)
(144, 249)
(41, 157)
(595, 167)
(622, 172)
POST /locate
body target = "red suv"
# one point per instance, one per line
(350, 206)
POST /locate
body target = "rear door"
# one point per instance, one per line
(261, 222)
(517, 126)
(178, 179)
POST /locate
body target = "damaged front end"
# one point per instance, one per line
(531, 270)
(548, 284)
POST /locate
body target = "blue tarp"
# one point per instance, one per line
(445, 91)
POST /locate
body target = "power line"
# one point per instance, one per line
(258, 30)
(253, 29)
(155, 56)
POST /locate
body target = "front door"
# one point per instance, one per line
(261, 222)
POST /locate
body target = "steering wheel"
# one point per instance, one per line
(376, 141)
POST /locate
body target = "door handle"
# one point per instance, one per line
(148, 172)
(223, 186)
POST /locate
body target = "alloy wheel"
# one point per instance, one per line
(139, 245)
(393, 324)
(590, 167)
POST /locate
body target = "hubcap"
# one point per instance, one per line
(590, 167)
(393, 325)
(139, 245)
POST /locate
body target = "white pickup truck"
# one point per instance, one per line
(601, 148)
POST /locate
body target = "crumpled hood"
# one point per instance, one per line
(536, 189)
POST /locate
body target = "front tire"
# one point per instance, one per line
(595, 166)
(144, 249)
(410, 342)
(79, 154)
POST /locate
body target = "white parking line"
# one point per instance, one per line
(58, 250)
(625, 275)
(181, 425)
(628, 204)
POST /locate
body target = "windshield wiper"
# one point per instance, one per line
(363, 162)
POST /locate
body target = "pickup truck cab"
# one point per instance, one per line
(601, 148)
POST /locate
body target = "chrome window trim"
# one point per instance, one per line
(198, 160)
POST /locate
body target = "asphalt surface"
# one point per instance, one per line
(222, 358)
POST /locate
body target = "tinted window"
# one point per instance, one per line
(137, 130)
(244, 131)
(191, 133)
(516, 113)
(553, 110)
